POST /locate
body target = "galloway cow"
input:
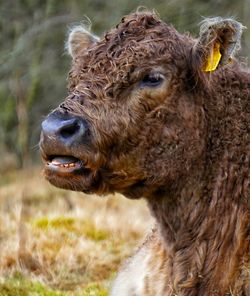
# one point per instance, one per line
(156, 114)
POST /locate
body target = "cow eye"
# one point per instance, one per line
(152, 80)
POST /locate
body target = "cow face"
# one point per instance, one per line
(133, 121)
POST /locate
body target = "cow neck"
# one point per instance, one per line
(204, 232)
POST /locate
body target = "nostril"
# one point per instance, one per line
(64, 129)
(70, 129)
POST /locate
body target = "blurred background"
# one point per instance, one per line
(55, 242)
(34, 65)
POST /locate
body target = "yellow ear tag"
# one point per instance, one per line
(213, 59)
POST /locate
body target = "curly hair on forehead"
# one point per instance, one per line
(139, 42)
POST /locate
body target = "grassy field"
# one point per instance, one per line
(56, 242)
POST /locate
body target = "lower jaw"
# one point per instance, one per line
(89, 182)
(78, 180)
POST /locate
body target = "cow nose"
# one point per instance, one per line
(64, 128)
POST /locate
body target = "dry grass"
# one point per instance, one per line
(56, 242)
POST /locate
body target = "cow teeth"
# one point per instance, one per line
(65, 162)
(63, 165)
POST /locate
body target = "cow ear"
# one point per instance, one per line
(79, 39)
(218, 42)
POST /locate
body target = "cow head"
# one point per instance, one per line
(134, 120)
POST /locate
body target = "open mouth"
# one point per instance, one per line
(69, 172)
(64, 164)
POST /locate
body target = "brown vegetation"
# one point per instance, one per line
(67, 241)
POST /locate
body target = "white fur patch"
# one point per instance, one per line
(130, 280)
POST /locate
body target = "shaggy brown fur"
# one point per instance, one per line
(161, 128)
